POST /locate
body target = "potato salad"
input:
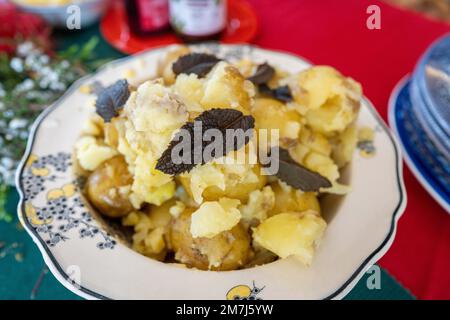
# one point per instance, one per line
(219, 213)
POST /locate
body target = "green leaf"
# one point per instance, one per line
(87, 50)
(70, 52)
(4, 215)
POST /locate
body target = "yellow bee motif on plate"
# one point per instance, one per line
(366, 148)
(366, 136)
(67, 191)
(244, 292)
(31, 160)
(39, 172)
(31, 213)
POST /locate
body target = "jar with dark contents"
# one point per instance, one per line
(198, 20)
(147, 17)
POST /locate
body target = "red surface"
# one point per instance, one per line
(17, 25)
(334, 32)
(242, 26)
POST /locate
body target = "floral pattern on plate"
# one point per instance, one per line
(54, 212)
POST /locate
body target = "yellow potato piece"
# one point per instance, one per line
(190, 89)
(289, 199)
(228, 250)
(322, 164)
(272, 114)
(151, 230)
(259, 203)
(225, 87)
(331, 100)
(91, 152)
(108, 188)
(291, 234)
(343, 151)
(214, 217)
(213, 181)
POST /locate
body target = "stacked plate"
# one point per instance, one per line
(420, 114)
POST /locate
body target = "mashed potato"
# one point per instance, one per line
(151, 114)
(223, 214)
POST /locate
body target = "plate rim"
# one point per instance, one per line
(53, 264)
(409, 162)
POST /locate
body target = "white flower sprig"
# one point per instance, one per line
(30, 81)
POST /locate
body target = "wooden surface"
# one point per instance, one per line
(437, 9)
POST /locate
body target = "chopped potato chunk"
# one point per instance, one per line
(108, 188)
(332, 100)
(272, 114)
(225, 87)
(291, 234)
(92, 152)
(214, 217)
(228, 250)
(288, 199)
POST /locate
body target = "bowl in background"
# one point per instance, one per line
(56, 13)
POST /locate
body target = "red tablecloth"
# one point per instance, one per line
(334, 32)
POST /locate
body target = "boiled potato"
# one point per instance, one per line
(291, 234)
(235, 186)
(111, 134)
(151, 228)
(228, 250)
(190, 89)
(225, 87)
(160, 215)
(272, 114)
(315, 141)
(214, 217)
(346, 144)
(262, 256)
(289, 199)
(108, 188)
(322, 164)
(333, 116)
(246, 67)
(92, 152)
(259, 203)
(332, 100)
(93, 126)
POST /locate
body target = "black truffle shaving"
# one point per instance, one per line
(221, 119)
(264, 73)
(282, 93)
(197, 63)
(296, 175)
(112, 99)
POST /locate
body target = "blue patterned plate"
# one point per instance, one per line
(432, 77)
(428, 122)
(421, 155)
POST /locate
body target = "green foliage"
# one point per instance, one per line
(31, 80)
(4, 215)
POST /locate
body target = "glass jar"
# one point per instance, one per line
(198, 20)
(147, 16)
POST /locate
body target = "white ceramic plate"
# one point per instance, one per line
(88, 261)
